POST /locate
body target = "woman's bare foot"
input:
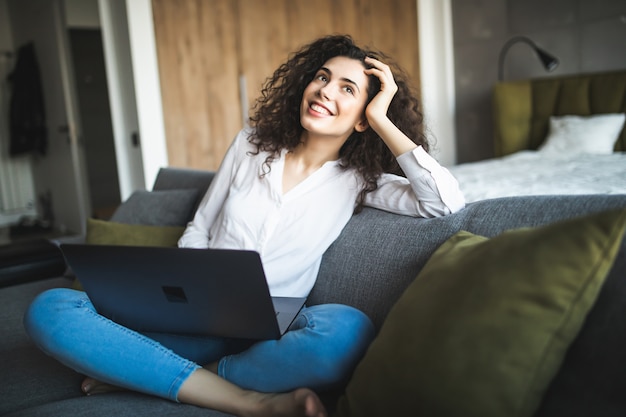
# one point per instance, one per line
(92, 386)
(205, 389)
(301, 402)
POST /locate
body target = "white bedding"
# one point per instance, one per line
(536, 173)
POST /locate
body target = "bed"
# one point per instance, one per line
(557, 135)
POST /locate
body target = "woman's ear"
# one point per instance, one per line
(362, 125)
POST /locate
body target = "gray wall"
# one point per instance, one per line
(586, 35)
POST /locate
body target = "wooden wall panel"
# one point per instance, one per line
(263, 42)
(398, 39)
(308, 20)
(205, 46)
(198, 66)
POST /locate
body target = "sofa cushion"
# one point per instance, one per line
(162, 208)
(485, 326)
(101, 232)
(35, 377)
(128, 404)
(592, 381)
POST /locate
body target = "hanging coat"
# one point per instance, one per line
(27, 118)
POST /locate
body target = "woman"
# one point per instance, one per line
(328, 133)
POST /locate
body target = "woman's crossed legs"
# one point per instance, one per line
(320, 350)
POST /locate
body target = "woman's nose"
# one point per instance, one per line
(325, 91)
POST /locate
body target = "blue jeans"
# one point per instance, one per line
(319, 351)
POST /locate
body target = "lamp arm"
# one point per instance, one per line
(505, 49)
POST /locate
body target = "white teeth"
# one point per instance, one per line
(320, 109)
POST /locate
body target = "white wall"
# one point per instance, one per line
(120, 79)
(437, 76)
(147, 88)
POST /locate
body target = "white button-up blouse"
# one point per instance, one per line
(244, 209)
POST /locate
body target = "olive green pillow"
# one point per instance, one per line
(100, 232)
(485, 326)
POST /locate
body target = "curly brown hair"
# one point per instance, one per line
(277, 122)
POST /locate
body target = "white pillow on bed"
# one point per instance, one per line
(595, 134)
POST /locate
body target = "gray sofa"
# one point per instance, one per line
(376, 257)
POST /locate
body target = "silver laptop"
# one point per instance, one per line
(213, 292)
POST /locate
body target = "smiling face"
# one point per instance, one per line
(333, 103)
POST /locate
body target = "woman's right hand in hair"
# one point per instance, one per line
(376, 111)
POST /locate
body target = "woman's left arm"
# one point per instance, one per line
(431, 189)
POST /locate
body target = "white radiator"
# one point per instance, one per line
(17, 191)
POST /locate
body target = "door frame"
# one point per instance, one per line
(135, 92)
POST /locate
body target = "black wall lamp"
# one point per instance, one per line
(549, 61)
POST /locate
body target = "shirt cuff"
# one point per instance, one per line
(447, 185)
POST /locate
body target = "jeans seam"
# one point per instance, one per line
(180, 379)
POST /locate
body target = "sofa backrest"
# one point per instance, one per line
(184, 178)
(177, 178)
(378, 254)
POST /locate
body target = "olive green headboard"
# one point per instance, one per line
(522, 109)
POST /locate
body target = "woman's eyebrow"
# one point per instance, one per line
(348, 80)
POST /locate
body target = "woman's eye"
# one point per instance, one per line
(349, 90)
(322, 78)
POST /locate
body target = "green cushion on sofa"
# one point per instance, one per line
(485, 326)
(100, 232)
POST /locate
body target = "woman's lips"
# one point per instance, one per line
(318, 108)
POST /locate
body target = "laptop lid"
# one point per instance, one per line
(214, 292)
